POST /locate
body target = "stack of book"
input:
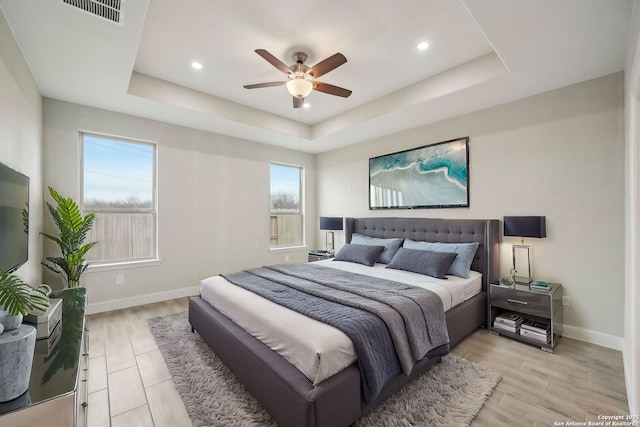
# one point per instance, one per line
(539, 331)
(508, 321)
(541, 286)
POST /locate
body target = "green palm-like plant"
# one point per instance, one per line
(25, 218)
(73, 228)
(17, 297)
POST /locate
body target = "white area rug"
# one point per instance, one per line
(451, 393)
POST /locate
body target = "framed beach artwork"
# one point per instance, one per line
(431, 176)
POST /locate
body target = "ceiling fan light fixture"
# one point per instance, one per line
(299, 87)
(301, 77)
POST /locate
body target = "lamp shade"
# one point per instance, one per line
(525, 226)
(330, 223)
(299, 87)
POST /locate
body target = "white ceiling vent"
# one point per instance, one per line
(111, 10)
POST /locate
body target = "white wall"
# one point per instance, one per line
(632, 220)
(213, 197)
(21, 139)
(559, 154)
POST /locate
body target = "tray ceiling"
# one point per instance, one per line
(481, 53)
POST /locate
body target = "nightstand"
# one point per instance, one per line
(320, 255)
(543, 307)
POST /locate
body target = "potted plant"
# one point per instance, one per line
(73, 228)
(17, 298)
(17, 341)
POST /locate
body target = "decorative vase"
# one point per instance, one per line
(17, 343)
(8, 321)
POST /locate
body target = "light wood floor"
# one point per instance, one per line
(129, 384)
(578, 382)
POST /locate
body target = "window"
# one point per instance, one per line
(286, 206)
(118, 185)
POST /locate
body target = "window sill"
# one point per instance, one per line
(97, 268)
(290, 249)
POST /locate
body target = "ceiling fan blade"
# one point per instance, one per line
(329, 64)
(273, 61)
(259, 85)
(298, 102)
(331, 89)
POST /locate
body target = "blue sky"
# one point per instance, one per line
(116, 170)
(285, 178)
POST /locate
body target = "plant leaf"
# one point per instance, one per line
(73, 229)
(25, 218)
(17, 297)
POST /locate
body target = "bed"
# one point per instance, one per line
(285, 392)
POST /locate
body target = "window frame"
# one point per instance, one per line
(302, 198)
(154, 259)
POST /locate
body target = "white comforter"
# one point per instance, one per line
(315, 348)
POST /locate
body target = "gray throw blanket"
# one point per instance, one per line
(392, 325)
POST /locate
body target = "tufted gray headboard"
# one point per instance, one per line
(484, 231)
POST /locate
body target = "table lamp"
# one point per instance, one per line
(331, 224)
(524, 226)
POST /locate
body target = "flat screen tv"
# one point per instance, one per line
(14, 218)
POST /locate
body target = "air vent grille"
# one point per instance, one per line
(110, 10)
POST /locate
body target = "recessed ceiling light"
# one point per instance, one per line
(196, 65)
(305, 105)
(423, 45)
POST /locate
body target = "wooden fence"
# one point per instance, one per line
(122, 236)
(286, 229)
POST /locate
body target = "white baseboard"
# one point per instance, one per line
(117, 304)
(593, 337)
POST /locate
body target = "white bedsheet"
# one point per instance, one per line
(316, 349)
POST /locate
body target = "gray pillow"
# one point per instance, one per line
(434, 264)
(461, 265)
(391, 246)
(361, 254)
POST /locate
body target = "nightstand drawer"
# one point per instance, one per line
(532, 303)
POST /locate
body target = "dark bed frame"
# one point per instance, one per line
(285, 392)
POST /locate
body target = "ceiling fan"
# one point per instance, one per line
(300, 82)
